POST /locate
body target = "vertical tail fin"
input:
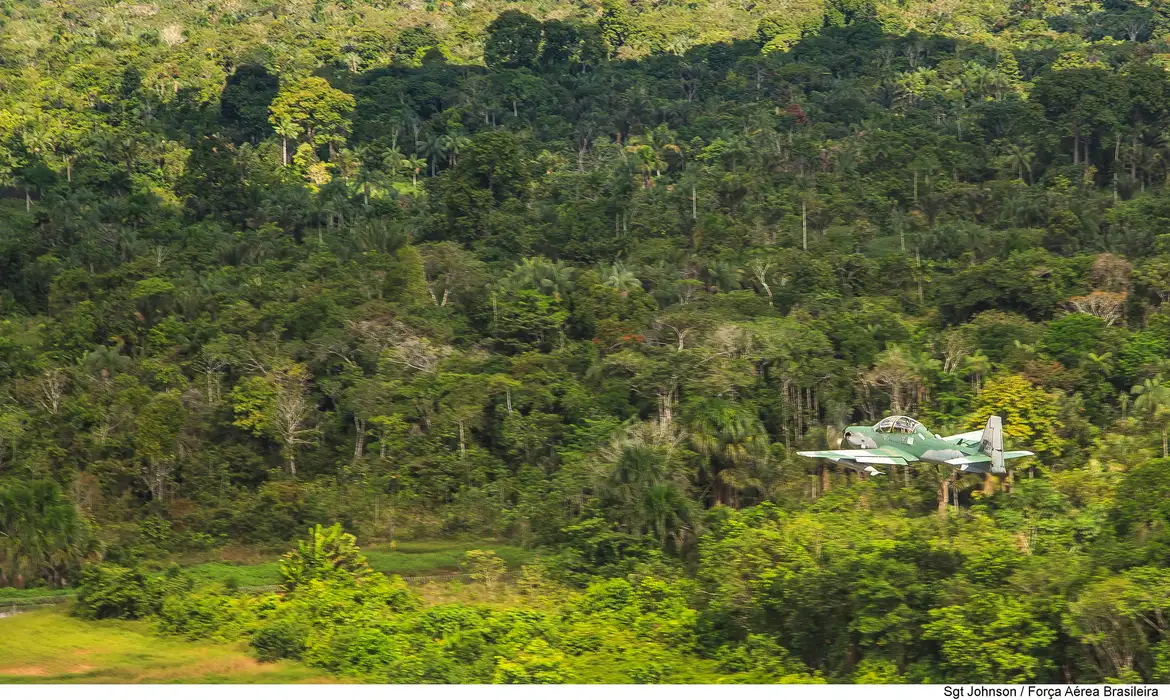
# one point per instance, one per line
(992, 444)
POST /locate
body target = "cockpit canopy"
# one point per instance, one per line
(899, 424)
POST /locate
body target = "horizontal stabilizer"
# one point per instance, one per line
(974, 464)
(982, 464)
(973, 437)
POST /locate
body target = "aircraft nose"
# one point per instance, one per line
(851, 438)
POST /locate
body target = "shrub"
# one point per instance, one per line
(128, 593)
(361, 648)
(538, 663)
(107, 590)
(761, 660)
(280, 639)
(206, 616)
(326, 554)
(336, 623)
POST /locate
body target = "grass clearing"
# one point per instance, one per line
(20, 595)
(437, 557)
(48, 646)
(266, 574)
(420, 558)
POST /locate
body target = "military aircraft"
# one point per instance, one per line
(899, 440)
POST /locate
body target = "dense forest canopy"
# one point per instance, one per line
(585, 276)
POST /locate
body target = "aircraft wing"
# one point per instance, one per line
(980, 463)
(864, 459)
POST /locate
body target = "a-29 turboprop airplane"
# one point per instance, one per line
(899, 440)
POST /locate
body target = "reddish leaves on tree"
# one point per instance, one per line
(798, 113)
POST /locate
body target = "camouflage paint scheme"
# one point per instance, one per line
(899, 440)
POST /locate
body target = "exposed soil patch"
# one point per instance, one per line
(23, 671)
(39, 670)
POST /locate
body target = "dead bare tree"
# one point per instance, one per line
(292, 416)
(417, 353)
(894, 372)
(156, 474)
(1107, 306)
(760, 270)
(211, 366)
(955, 346)
(51, 387)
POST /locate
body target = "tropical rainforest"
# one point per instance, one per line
(581, 277)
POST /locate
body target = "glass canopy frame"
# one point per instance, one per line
(899, 424)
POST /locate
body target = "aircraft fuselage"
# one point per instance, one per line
(908, 436)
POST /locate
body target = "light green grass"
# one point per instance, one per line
(437, 557)
(23, 595)
(48, 646)
(266, 574)
(404, 559)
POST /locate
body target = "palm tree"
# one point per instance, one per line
(689, 183)
(807, 193)
(557, 279)
(976, 365)
(899, 220)
(434, 148)
(42, 536)
(648, 161)
(352, 61)
(662, 141)
(452, 144)
(554, 278)
(364, 177)
(729, 437)
(669, 512)
(415, 165)
(640, 473)
(286, 129)
(724, 275)
(1102, 363)
(622, 279)
(1021, 158)
(1153, 398)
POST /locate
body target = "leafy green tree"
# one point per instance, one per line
(1008, 642)
(617, 24)
(1030, 414)
(245, 99)
(1117, 618)
(317, 109)
(159, 431)
(1070, 338)
(513, 40)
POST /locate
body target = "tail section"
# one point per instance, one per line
(991, 444)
